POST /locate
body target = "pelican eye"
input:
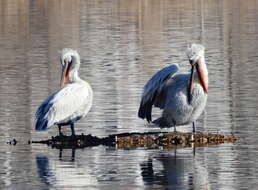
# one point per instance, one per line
(70, 62)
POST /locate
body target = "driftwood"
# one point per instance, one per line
(134, 140)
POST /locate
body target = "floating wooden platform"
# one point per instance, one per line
(134, 140)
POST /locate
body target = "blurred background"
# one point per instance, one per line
(122, 44)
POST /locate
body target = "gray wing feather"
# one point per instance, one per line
(41, 120)
(66, 104)
(153, 90)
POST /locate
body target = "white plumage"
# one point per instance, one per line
(70, 103)
(181, 96)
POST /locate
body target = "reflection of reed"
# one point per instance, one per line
(13, 67)
(124, 43)
(241, 54)
(242, 49)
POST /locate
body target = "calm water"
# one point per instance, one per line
(122, 43)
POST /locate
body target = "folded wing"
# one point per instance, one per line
(153, 91)
(64, 105)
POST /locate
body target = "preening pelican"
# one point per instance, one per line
(70, 103)
(181, 96)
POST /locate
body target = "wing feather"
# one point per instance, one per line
(74, 100)
(153, 90)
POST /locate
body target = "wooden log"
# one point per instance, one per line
(134, 140)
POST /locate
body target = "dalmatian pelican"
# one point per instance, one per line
(71, 102)
(181, 96)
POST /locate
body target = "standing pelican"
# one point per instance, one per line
(182, 96)
(70, 103)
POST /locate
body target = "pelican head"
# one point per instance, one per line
(195, 54)
(70, 61)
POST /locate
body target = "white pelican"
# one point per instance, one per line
(182, 96)
(70, 103)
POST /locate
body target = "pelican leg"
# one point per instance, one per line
(193, 127)
(72, 129)
(59, 129)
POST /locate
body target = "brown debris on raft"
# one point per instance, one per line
(134, 140)
(172, 140)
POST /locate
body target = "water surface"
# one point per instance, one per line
(122, 44)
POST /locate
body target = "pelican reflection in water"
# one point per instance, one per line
(71, 102)
(181, 96)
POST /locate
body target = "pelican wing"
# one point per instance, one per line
(153, 91)
(68, 103)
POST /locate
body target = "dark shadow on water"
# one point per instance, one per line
(162, 169)
(44, 171)
(169, 171)
(72, 154)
